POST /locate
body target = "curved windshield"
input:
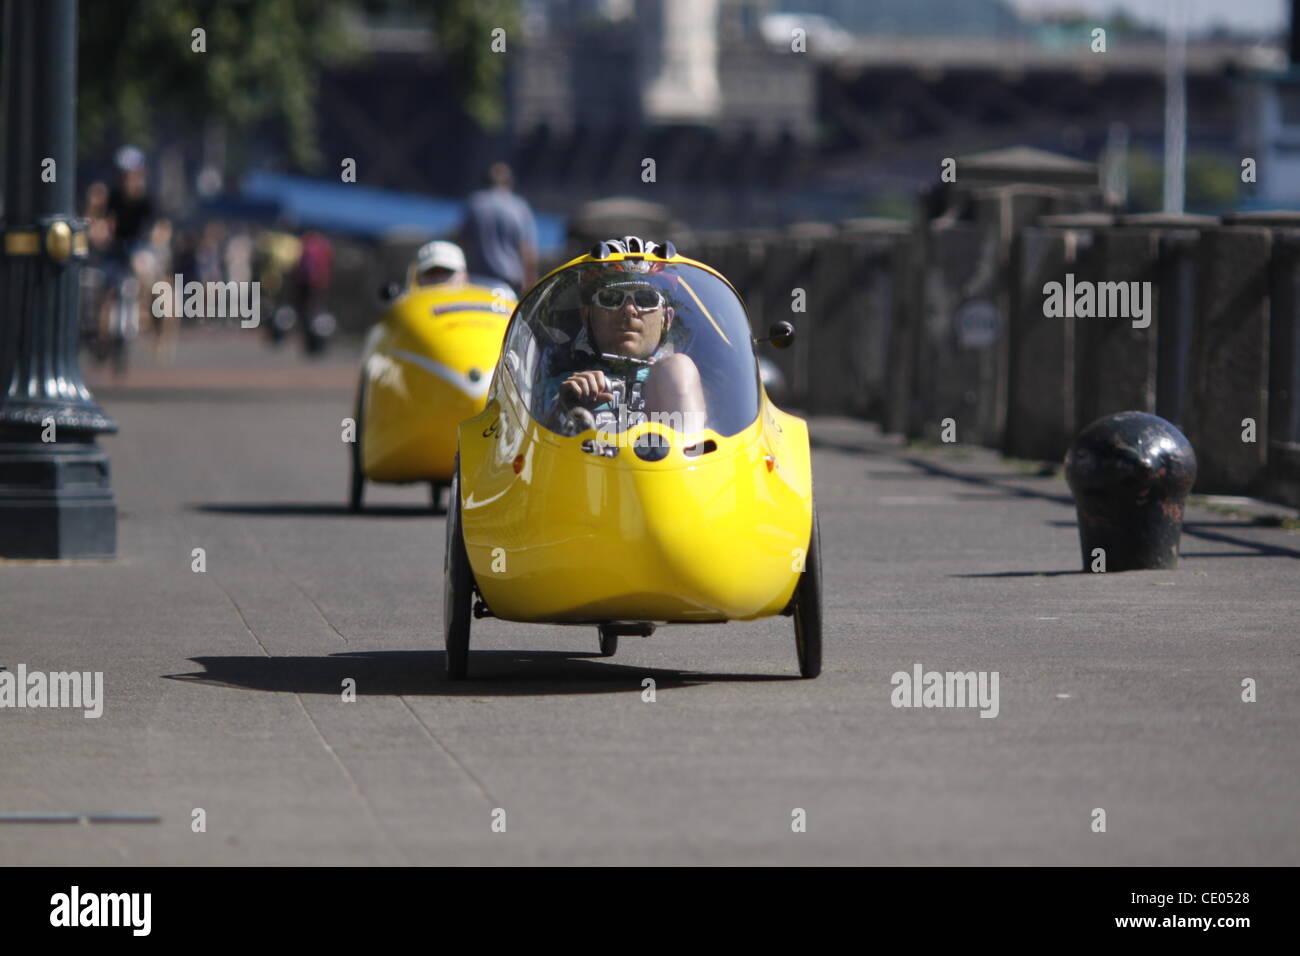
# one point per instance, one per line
(608, 345)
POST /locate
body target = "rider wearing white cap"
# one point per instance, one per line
(438, 262)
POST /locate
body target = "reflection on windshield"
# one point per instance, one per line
(610, 345)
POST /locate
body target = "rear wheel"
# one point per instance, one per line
(808, 608)
(457, 589)
(435, 497)
(608, 642)
(358, 489)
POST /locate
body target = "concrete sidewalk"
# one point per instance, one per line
(223, 688)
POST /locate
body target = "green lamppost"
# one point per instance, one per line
(55, 497)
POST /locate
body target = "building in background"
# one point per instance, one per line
(745, 131)
(1270, 125)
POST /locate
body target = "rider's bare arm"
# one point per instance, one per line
(673, 385)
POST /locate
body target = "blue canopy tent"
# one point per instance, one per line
(365, 212)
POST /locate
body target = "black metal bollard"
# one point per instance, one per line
(1130, 474)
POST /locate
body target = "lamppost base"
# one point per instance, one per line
(56, 501)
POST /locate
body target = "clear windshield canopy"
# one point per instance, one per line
(608, 345)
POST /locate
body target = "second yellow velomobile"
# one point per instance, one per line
(427, 365)
(629, 469)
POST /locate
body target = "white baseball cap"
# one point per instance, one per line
(440, 254)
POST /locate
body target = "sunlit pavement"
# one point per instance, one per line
(224, 688)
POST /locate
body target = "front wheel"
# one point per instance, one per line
(457, 589)
(358, 487)
(608, 642)
(808, 608)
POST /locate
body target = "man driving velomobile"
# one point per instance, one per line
(594, 522)
(426, 366)
(623, 364)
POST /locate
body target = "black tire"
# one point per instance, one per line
(358, 488)
(608, 642)
(457, 590)
(808, 608)
(435, 497)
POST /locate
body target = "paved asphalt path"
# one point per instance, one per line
(223, 689)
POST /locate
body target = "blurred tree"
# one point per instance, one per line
(464, 31)
(1213, 183)
(261, 60)
(1145, 181)
(890, 205)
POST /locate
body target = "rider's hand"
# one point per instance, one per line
(586, 388)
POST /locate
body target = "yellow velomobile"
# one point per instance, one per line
(426, 366)
(629, 469)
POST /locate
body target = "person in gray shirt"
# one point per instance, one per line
(498, 234)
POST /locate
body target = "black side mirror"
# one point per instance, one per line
(780, 334)
(389, 292)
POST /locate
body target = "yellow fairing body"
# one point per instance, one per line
(428, 365)
(556, 534)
